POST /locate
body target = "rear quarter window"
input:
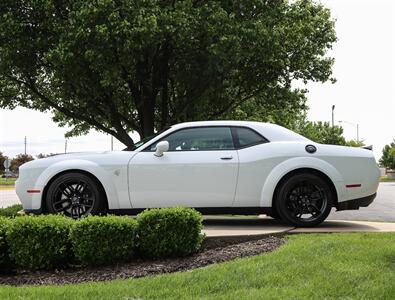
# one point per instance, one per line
(248, 137)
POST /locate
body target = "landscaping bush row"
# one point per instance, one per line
(52, 241)
(10, 211)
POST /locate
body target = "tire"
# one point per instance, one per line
(304, 200)
(75, 195)
(274, 215)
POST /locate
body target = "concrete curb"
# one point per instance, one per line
(228, 227)
(348, 226)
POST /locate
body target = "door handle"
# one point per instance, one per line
(227, 157)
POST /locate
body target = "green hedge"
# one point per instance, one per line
(4, 256)
(169, 232)
(40, 242)
(50, 241)
(103, 240)
(11, 211)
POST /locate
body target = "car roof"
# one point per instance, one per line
(216, 123)
(270, 131)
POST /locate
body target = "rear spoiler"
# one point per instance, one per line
(368, 147)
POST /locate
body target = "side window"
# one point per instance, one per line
(248, 137)
(199, 139)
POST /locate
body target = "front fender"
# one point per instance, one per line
(77, 165)
(293, 164)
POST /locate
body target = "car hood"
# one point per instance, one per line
(90, 156)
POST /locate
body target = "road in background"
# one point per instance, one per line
(8, 197)
(382, 209)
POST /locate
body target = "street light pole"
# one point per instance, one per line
(353, 124)
(333, 115)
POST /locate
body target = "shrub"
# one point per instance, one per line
(169, 232)
(103, 240)
(10, 211)
(40, 242)
(4, 256)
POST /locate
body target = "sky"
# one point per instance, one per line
(364, 93)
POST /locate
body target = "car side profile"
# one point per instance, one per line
(216, 167)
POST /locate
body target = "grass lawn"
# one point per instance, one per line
(7, 181)
(347, 266)
(386, 179)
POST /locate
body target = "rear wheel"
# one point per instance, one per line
(304, 200)
(75, 195)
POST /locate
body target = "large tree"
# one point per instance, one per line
(141, 65)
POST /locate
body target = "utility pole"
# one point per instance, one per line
(112, 143)
(65, 146)
(25, 144)
(353, 124)
(333, 115)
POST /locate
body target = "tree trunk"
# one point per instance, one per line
(124, 138)
(165, 101)
(148, 118)
(164, 75)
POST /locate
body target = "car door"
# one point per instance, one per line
(199, 170)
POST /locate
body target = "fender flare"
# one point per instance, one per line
(78, 165)
(296, 163)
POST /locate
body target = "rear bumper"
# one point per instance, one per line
(356, 203)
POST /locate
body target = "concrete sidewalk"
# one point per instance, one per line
(232, 227)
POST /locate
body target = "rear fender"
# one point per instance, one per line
(296, 163)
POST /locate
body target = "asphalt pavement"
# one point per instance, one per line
(8, 197)
(382, 209)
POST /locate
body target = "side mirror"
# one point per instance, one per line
(161, 147)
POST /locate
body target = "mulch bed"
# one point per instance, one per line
(215, 250)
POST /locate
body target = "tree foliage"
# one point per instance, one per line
(42, 155)
(139, 65)
(322, 132)
(19, 160)
(387, 160)
(355, 143)
(2, 159)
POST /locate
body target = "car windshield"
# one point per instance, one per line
(143, 141)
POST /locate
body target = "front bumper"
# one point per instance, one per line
(356, 203)
(33, 211)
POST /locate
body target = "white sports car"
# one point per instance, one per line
(216, 167)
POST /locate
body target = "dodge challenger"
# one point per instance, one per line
(216, 167)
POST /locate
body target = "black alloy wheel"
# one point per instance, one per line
(304, 200)
(75, 195)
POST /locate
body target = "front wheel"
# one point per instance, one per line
(304, 200)
(75, 195)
